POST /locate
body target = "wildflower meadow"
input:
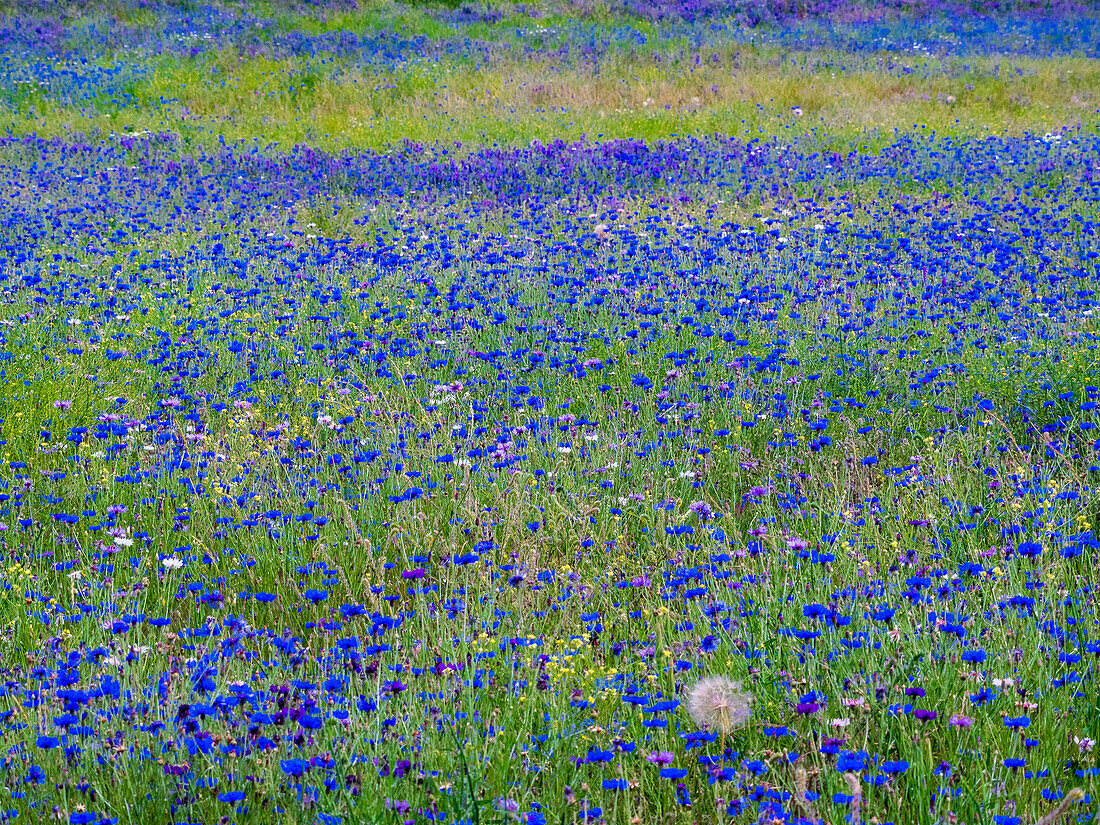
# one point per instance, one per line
(571, 411)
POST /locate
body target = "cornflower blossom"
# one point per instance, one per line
(701, 509)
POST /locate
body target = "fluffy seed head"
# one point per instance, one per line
(717, 703)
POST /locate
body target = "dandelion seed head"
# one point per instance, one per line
(718, 703)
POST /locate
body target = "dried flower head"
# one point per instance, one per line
(802, 798)
(717, 703)
(855, 790)
(1071, 798)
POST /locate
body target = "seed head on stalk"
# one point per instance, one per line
(718, 703)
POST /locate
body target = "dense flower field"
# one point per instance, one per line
(742, 476)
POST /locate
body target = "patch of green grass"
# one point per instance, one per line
(335, 105)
